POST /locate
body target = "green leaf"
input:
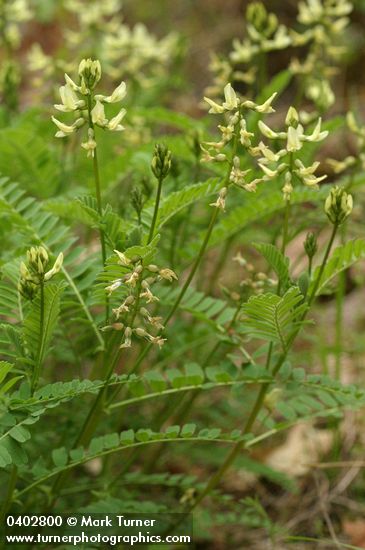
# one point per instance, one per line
(194, 374)
(60, 457)
(188, 430)
(342, 258)
(172, 431)
(277, 261)
(19, 433)
(5, 457)
(254, 208)
(271, 317)
(156, 381)
(38, 343)
(5, 368)
(127, 437)
(177, 201)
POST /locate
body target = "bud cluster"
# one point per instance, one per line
(88, 107)
(338, 205)
(283, 162)
(132, 316)
(310, 245)
(161, 161)
(35, 272)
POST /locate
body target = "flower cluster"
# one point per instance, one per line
(138, 54)
(125, 52)
(12, 14)
(35, 271)
(235, 129)
(96, 16)
(284, 161)
(264, 34)
(132, 316)
(339, 166)
(324, 22)
(88, 107)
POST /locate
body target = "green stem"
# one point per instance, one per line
(87, 429)
(93, 417)
(9, 493)
(340, 295)
(216, 478)
(283, 249)
(98, 196)
(183, 411)
(155, 212)
(195, 265)
(323, 265)
(220, 263)
(38, 365)
(285, 226)
(199, 257)
(99, 202)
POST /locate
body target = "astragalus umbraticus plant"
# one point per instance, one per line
(179, 294)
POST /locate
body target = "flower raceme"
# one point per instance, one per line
(284, 162)
(232, 103)
(88, 107)
(132, 316)
(235, 128)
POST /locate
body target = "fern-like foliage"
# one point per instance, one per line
(36, 166)
(84, 210)
(206, 308)
(177, 201)
(306, 397)
(37, 341)
(273, 318)
(342, 258)
(7, 383)
(277, 261)
(253, 209)
(36, 226)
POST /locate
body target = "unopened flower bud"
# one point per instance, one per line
(310, 245)
(338, 205)
(292, 117)
(90, 74)
(161, 161)
(153, 268)
(140, 332)
(37, 259)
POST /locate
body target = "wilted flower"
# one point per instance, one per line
(167, 274)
